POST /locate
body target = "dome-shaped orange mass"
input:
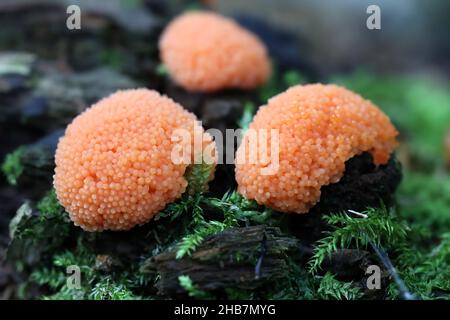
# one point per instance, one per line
(320, 127)
(114, 167)
(204, 51)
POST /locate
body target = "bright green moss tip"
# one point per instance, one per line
(12, 166)
(192, 290)
(197, 176)
(49, 206)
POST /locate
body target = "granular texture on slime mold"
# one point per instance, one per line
(204, 51)
(320, 128)
(113, 166)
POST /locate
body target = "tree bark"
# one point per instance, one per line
(242, 258)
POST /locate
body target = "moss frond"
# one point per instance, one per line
(332, 289)
(425, 272)
(235, 209)
(192, 290)
(12, 166)
(380, 227)
(197, 176)
(247, 115)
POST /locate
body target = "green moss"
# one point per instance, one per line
(191, 289)
(36, 233)
(425, 271)
(94, 285)
(424, 201)
(235, 209)
(247, 115)
(380, 227)
(54, 277)
(108, 289)
(293, 77)
(49, 207)
(191, 241)
(162, 70)
(239, 294)
(12, 166)
(197, 176)
(332, 289)
(298, 284)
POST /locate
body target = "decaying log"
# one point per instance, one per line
(37, 165)
(38, 158)
(227, 260)
(59, 97)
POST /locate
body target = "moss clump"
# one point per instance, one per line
(49, 207)
(12, 166)
(332, 289)
(191, 289)
(197, 176)
(247, 115)
(94, 285)
(425, 270)
(35, 231)
(379, 227)
(424, 201)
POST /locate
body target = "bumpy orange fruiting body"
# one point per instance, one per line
(320, 127)
(114, 167)
(204, 51)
